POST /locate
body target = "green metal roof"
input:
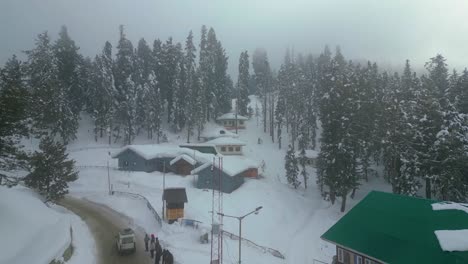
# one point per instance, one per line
(398, 229)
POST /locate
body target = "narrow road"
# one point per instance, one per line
(105, 223)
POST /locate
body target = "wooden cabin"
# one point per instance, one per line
(174, 199)
(229, 121)
(183, 164)
(398, 229)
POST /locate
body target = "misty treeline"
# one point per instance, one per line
(415, 126)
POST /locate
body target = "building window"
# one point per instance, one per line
(223, 149)
(241, 122)
(358, 260)
(230, 149)
(340, 255)
(237, 149)
(125, 163)
(134, 163)
(368, 261)
(347, 257)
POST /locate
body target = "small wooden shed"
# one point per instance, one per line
(183, 164)
(174, 198)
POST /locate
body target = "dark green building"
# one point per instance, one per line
(390, 228)
(209, 177)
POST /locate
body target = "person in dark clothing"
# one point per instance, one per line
(167, 257)
(152, 245)
(146, 241)
(159, 252)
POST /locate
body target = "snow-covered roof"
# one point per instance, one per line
(185, 157)
(231, 165)
(309, 153)
(450, 206)
(226, 141)
(217, 131)
(453, 240)
(149, 152)
(231, 116)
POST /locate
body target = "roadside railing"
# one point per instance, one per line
(148, 204)
(272, 251)
(197, 224)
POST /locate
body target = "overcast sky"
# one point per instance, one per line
(387, 31)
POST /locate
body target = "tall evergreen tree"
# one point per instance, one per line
(68, 60)
(51, 110)
(14, 99)
(243, 84)
(51, 170)
(262, 71)
(291, 168)
(103, 94)
(144, 64)
(191, 84)
(126, 89)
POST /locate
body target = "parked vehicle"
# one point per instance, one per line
(126, 241)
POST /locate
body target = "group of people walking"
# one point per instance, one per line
(156, 251)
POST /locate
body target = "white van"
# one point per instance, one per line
(126, 241)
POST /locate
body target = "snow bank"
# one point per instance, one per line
(31, 231)
(453, 240)
(450, 206)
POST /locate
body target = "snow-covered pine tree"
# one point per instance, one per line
(154, 106)
(126, 89)
(430, 103)
(262, 73)
(51, 111)
(222, 82)
(337, 160)
(450, 168)
(68, 60)
(191, 85)
(14, 99)
(461, 102)
(103, 93)
(303, 161)
(144, 64)
(51, 170)
(243, 84)
(291, 168)
(204, 70)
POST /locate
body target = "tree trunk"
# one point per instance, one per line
(158, 133)
(265, 113)
(343, 202)
(188, 133)
(272, 124)
(353, 193)
(428, 189)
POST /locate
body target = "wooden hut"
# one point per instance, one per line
(183, 164)
(174, 199)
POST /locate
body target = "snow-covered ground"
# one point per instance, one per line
(291, 221)
(34, 233)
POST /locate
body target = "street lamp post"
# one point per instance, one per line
(240, 218)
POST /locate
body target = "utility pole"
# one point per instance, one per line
(240, 218)
(108, 178)
(164, 188)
